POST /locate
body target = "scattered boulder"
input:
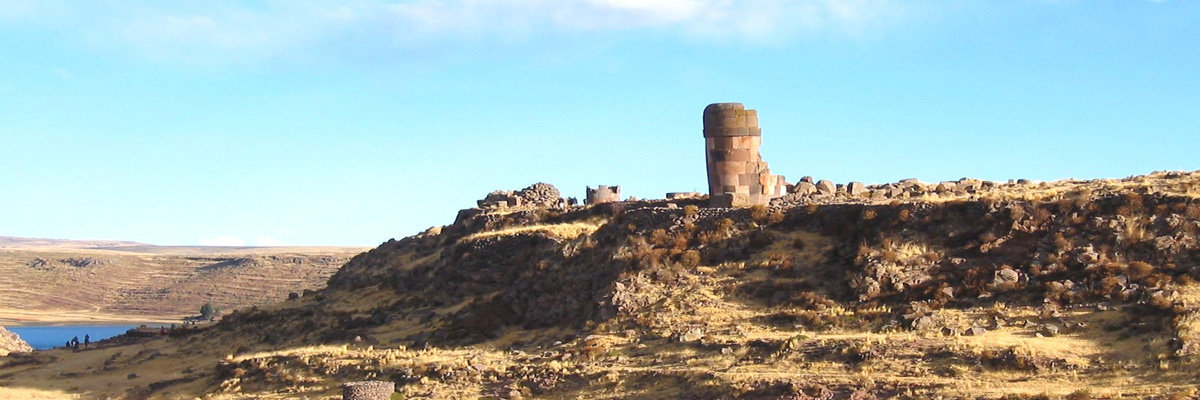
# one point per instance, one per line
(826, 187)
(855, 189)
(804, 188)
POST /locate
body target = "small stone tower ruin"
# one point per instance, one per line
(737, 175)
(603, 194)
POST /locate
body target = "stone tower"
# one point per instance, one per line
(737, 175)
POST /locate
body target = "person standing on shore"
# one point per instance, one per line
(87, 339)
(75, 343)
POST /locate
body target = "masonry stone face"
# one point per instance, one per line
(603, 194)
(737, 175)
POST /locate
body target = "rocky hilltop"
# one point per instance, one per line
(10, 343)
(1022, 290)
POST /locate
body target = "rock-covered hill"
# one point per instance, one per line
(1062, 290)
(10, 343)
(71, 281)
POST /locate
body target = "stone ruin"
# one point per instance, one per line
(737, 175)
(810, 190)
(683, 195)
(537, 195)
(603, 194)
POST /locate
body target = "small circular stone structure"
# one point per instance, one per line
(603, 194)
(368, 390)
(737, 175)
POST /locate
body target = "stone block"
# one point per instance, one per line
(368, 390)
(732, 200)
(743, 155)
(825, 187)
(855, 189)
(731, 167)
(804, 188)
(767, 180)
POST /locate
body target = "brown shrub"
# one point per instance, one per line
(1041, 215)
(659, 237)
(724, 227)
(1011, 358)
(681, 241)
(1140, 270)
(690, 210)
(1061, 243)
(759, 213)
(690, 258)
(1081, 394)
(1134, 201)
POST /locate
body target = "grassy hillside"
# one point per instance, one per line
(1064, 290)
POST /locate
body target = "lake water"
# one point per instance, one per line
(46, 337)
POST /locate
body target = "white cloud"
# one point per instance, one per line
(223, 241)
(223, 31)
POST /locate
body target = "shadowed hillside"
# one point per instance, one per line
(1064, 290)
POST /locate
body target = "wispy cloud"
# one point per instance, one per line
(225, 31)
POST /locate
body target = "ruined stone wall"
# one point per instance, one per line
(737, 175)
(603, 194)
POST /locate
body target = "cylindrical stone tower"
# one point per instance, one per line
(737, 175)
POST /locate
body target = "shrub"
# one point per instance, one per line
(208, 311)
(761, 239)
(1081, 394)
(659, 237)
(1140, 270)
(775, 217)
(690, 210)
(724, 227)
(690, 258)
(759, 213)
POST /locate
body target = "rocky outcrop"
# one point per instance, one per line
(536, 195)
(11, 343)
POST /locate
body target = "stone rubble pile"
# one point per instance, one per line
(808, 189)
(536, 195)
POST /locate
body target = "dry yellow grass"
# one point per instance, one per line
(565, 231)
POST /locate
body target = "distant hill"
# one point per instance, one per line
(54, 280)
(11, 241)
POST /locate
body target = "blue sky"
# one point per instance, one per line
(348, 123)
